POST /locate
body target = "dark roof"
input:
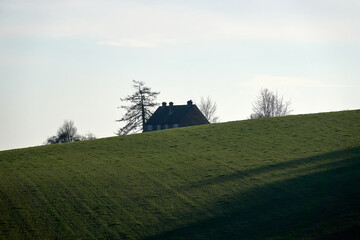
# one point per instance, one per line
(169, 115)
(183, 115)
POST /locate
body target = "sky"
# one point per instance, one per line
(74, 60)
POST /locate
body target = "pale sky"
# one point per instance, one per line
(73, 60)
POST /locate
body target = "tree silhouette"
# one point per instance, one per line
(142, 101)
(208, 107)
(269, 104)
(68, 133)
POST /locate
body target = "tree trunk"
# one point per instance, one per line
(142, 110)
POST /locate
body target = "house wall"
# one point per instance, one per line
(162, 127)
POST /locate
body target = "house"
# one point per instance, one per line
(174, 116)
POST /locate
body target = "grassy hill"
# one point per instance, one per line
(280, 178)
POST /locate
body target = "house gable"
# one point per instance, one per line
(193, 117)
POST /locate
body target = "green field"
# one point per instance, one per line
(295, 177)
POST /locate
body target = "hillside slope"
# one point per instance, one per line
(280, 178)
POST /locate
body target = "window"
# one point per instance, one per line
(176, 125)
(149, 127)
(158, 127)
(166, 126)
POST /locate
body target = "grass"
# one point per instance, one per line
(295, 177)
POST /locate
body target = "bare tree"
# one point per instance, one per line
(142, 102)
(68, 133)
(208, 107)
(88, 136)
(269, 104)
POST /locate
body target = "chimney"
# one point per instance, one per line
(171, 104)
(164, 104)
(189, 103)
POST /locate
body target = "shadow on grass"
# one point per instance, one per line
(324, 204)
(317, 161)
